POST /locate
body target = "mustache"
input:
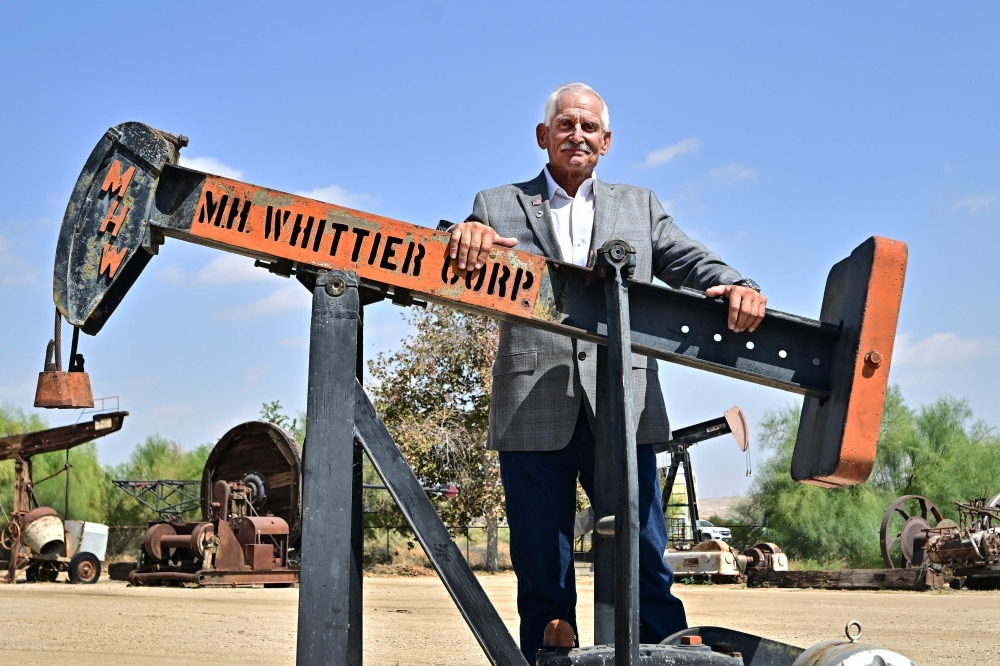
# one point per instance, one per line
(569, 145)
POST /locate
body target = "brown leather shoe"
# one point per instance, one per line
(558, 634)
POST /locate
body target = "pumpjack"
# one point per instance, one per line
(132, 195)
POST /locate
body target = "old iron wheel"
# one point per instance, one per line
(912, 535)
(84, 568)
(9, 535)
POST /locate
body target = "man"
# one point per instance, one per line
(542, 415)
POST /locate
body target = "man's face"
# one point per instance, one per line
(575, 138)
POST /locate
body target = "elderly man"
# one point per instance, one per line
(542, 416)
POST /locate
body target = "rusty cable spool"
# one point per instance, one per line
(755, 559)
(912, 536)
(201, 536)
(152, 542)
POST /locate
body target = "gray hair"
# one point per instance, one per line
(550, 103)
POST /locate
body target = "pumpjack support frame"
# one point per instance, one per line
(131, 196)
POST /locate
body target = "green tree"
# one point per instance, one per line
(271, 412)
(936, 451)
(433, 394)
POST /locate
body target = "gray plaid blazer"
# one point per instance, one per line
(540, 378)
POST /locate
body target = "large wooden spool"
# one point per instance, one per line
(264, 449)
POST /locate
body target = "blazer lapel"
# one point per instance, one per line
(534, 198)
(605, 216)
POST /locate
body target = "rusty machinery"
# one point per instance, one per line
(251, 498)
(131, 195)
(968, 550)
(37, 538)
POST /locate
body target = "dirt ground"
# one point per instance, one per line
(412, 621)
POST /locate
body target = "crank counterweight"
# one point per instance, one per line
(131, 195)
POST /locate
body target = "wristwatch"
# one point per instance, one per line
(747, 282)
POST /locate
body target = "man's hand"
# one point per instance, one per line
(746, 306)
(471, 243)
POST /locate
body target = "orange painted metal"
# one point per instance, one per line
(269, 223)
(63, 390)
(871, 367)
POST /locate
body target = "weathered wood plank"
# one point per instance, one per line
(850, 579)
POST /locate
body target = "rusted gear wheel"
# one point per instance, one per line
(9, 535)
(917, 513)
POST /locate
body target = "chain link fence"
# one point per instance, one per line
(396, 545)
(124, 543)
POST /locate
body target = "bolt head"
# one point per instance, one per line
(873, 359)
(336, 286)
(690, 640)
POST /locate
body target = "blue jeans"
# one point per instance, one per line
(540, 491)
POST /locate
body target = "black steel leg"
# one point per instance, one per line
(479, 613)
(329, 591)
(356, 603)
(668, 489)
(615, 261)
(691, 497)
(603, 503)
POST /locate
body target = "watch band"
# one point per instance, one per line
(747, 282)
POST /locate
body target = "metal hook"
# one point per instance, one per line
(855, 637)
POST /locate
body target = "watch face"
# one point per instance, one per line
(747, 282)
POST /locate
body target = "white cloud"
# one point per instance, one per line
(287, 299)
(983, 203)
(942, 349)
(336, 195)
(733, 173)
(231, 269)
(224, 269)
(663, 155)
(14, 269)
(211, 165)
(255, 373)
(174, 274)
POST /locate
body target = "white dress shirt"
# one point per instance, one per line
(572, 219)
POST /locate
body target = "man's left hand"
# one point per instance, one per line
(746, 306)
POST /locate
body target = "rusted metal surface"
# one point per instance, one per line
(237, 542)
(917, 513)
(59, 439)
(42, 531)
(967, 550)
(273, 459)
(63, 390)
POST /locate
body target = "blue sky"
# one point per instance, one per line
(782, 135)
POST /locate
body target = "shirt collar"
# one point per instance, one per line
(586, 187)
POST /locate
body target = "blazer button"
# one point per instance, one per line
(538, 214)
(582, 356)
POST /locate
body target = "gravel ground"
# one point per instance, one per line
(410, 621)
